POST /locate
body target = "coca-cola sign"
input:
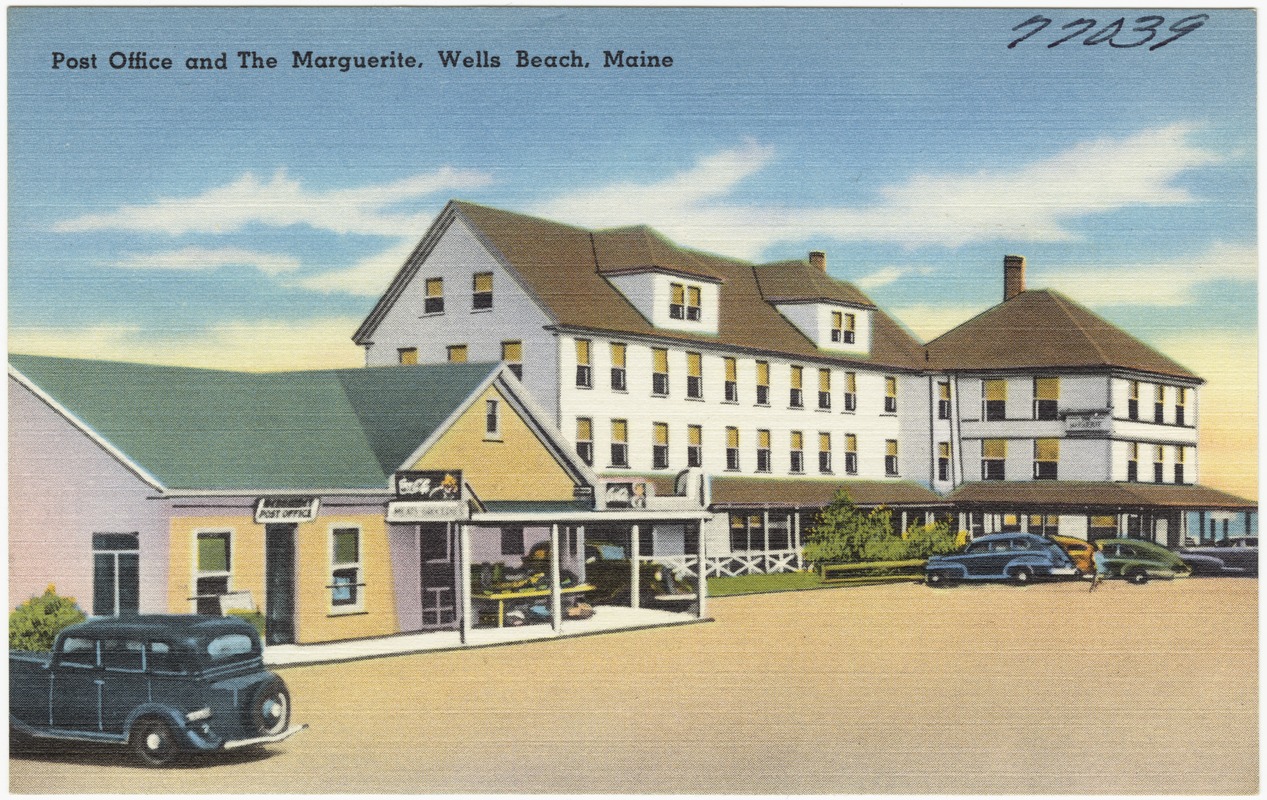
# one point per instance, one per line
(429, 485)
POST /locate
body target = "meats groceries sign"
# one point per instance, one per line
(423, 495)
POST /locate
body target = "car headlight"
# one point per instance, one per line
(200, 714)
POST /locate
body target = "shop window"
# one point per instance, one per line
(890, 458)
(1132, 402)
(434, 301)
(842, 327)
(585, 439)
(943, 461)
(584, 372)
(797, 454)
(457, 353)
(993, 459)
(1132, 461)
(620, 443)
(824, 389)
(851, 391)
(994, 404)
(731, 393)
(796, 398)
(482, 291)
(943, 400)
(513, 355)
(492, 420)
(1159, 405)
(660, 445)
(1046, 398)
(763, 451)
(694, 446)
(694, 376)
(619, 383)
(512, 541)
(851, 454)
(732, 449)
(407, 355)
(890, 395)
(763, 383)
(659, 371)
(1046, 459)
(346, 581)
(116, 574)
(215, 566)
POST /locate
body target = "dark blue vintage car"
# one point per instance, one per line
(1016, 557)
(163, 684)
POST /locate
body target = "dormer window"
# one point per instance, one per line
(685, 303)
(842, 327)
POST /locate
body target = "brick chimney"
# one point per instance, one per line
(817, 258)
(1013, 276)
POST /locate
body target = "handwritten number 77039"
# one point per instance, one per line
(1117, 33)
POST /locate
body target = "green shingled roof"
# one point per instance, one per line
(215, 430)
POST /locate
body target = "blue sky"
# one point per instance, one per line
(204, 216)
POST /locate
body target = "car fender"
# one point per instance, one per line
(947, 567)
(176, 719)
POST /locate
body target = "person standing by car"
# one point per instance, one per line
(1101, 568)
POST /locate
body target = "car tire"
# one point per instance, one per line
(1137, 576)
(938, 580)
(269, 711)
(1022, 576)
(153, 742)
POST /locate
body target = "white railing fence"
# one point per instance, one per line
(731, 565)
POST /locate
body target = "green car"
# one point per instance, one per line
(1139, 561)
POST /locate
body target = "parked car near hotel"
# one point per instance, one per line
(1236, 556)
(1018, 557)
(608, 569)
(1080, 551)
(1139, 561)
(163, 684)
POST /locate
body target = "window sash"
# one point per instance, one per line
(798, 440)
(407, 355)
(660, 433)
(513, 351)
(620, 431)
(1047, 449)
(694, 434)
(214, 554)
(457, 354)
(346, 546)
(824, 380)
(732, 437)
(482, 282)
(995, 389)
(796, 377)
(1047, 388)
(732, 369)
(851, 443)
(584, 429)
(763, 440)
(824, 441)
(763, 373)
(851, 463)
(994, 448)
(618, 355)
(583, 352)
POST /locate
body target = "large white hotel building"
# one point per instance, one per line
(765, 388)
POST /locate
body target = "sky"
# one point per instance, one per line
(249, 218)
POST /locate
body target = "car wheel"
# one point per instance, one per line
(269, 712)
(1137, 576)
(153, 742)
(938, 580)
(1022, 576)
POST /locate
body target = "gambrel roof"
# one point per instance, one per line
(1043, 329)
(565, 268)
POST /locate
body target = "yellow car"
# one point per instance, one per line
(1080, 551)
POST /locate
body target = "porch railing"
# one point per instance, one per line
(760, 562)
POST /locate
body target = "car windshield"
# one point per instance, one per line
(230, 646)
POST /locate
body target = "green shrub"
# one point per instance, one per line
(930, 540)
(35, 624)
(253, 617)
(843, 534)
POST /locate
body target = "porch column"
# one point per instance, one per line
(1201, 527)
(701, 588)
(796, 539)
(634, 549)
(556, 597)
(464, 566)
(765, 527)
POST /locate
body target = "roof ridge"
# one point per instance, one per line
(461, 204)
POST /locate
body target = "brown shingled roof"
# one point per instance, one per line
(798, 281)
(563, 268)
(1089, 494)
(1045, 329)
(807, 493)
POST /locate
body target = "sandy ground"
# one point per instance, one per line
(896, 688)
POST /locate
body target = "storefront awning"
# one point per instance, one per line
(1101, 495)
(734, 492)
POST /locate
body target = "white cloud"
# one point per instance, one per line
(250, 346)
(881, 277)
(190, 259)
(368, 277)
(282, 201)
(1168, 283)
(1034, 202)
